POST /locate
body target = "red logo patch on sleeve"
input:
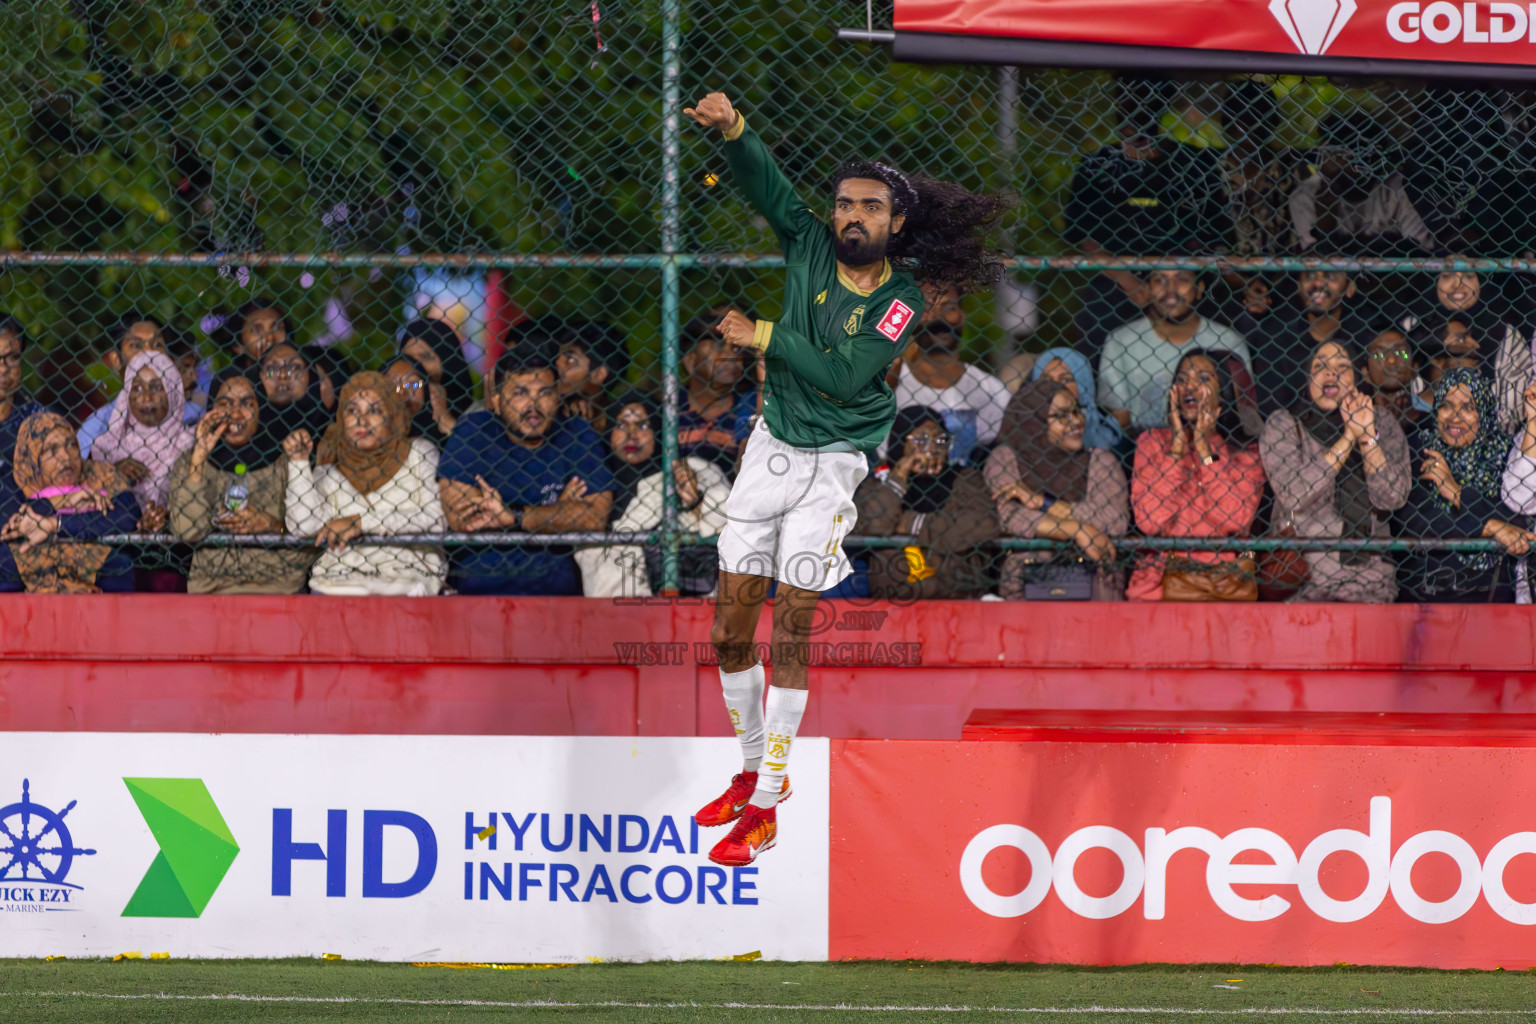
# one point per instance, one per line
(895, 319)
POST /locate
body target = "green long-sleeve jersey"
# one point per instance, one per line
(827, 354)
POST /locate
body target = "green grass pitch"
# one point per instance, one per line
(213, 991)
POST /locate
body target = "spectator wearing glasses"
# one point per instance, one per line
(970, 399)
(16, 405)
(634, 460)
(941, 507)
(369, 479)
(1070, 369)
(1049, 484)
(293, 391)
(233, 451)
(131, 334)
(1201, 476)
(719, 399)
(1472, 328)
(1460, 459)
(1338, 469)
(1140, 357)
(440, 351)
(1392, 366)
(425, 400)
(522, 469)
(69, 497)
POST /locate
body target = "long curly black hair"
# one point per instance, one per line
(944, 240)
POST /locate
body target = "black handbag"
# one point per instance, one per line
(1051, 582)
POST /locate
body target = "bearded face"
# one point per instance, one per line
(862, 221)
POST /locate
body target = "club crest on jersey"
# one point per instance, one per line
(895, 319)
(855, 321)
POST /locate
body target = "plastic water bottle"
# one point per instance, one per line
(237, 495)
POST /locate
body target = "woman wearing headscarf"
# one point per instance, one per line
(369, 479)
(294, 393)
(1070, 367)
(1474, 329)
(1338, 467)
(634, 458)
(1460, 459)
(1049, 485)
(67, 497)
(943, 509)
(146, 426)
(425, 400)
(1201, 476)
(233, 480)
(437, 347)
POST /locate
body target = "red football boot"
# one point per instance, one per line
(727, 807)
(756, 831)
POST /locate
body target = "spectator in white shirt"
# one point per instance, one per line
(971, 400)
(370, 479)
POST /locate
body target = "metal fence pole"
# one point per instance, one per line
(670, 157)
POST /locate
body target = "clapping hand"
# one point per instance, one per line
(1359, 414)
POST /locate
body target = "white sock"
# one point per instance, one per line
(744, 699)
(785, 708)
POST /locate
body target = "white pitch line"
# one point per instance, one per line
(553, 1004)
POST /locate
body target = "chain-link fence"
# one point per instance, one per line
(1262, 336)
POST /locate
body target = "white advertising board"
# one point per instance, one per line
(375, 847)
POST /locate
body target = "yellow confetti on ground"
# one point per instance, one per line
(134, 955)
(46, 959)
(330, 956)
(494, 967)
(159, 956)
(756, 954)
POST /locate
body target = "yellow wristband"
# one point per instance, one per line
(762, 334)
(733, 133)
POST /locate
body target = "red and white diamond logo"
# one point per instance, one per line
(1313, 25)
(895, 320)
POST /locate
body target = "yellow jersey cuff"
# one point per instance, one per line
(733, 133)
(762, 334)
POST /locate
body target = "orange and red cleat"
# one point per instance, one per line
(727, 807)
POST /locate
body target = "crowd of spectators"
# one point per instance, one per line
(1197, 406)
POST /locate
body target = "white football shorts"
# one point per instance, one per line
(788, 513)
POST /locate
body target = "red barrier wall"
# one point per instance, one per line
(573, 666)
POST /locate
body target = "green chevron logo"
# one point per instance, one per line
(196, 848)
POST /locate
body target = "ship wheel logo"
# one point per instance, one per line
(35, 844)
